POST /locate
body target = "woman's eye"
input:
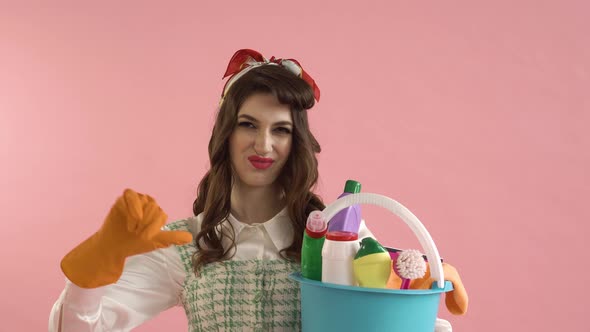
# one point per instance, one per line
(283, 130)
(246, 124)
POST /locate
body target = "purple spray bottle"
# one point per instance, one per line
(349, 219)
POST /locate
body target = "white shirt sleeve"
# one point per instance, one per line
(150, 284)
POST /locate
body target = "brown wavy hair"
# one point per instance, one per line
(298, 176)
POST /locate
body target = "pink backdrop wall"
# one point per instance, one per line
(472, 114)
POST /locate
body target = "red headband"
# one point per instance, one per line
(246, 59)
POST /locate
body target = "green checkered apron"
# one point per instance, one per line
(249, 295)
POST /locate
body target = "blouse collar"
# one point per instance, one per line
(279, 228)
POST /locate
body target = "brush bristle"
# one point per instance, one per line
(410, 264)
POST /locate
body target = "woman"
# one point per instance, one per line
(249, 220)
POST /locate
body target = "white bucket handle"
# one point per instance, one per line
(401, 211)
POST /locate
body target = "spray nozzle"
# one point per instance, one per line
(316, 222)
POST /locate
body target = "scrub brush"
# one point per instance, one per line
(409, 265)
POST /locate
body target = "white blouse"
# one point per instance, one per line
(152, 282)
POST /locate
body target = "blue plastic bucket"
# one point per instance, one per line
(332, 307)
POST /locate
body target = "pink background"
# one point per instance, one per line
(473, 114)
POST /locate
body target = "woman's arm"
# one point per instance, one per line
(150, 284)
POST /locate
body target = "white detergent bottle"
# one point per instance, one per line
(337, 255)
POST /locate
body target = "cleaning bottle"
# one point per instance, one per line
(349, 219)
(313, 242)
(372, 264)
(338, 252)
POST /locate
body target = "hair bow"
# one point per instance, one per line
(245, 59)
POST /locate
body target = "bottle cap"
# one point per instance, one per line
(352, 187)
(342, 236)
(369, 246)
(316, 225)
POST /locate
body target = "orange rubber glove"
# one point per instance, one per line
(133, 226)
(456, 300)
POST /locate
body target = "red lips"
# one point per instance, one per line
(260, 163)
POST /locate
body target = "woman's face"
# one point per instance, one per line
(261, 141)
